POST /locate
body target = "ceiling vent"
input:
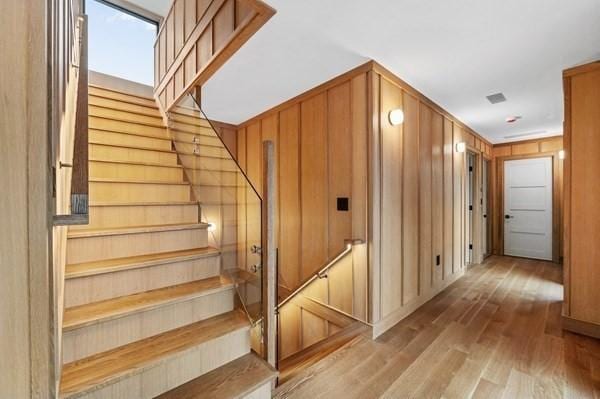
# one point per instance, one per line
(514, 136)
(496, 98)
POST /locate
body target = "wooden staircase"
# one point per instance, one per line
(147, 308)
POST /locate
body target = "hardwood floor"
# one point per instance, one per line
(496, 333)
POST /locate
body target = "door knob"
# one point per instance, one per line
(508, 217)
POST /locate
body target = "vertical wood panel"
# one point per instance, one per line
(448, 197)
(339, 159)
(204, 48)
(391, 194)
(359, 157)
(180, 22)
(242, 10)
(241, 199)
(254, 155)
(170, 38)
(289, 191)
(223, 25)
(458, 202)
(202, 6)
(437, 196)
(410, 200)
(190, 17)
(425, 200)
(313, 180)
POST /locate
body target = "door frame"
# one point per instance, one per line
(477, 255)
(499, 208)
(489, 215)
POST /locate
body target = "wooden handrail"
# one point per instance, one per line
(321, 272)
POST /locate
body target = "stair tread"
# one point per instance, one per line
(133, 147)
(116, 91)
(85, 269)
(96, 312)
(139, 134)
(134, 229)
(136, 181)
(142, 203)
(235, 379)
(101, 369)
(160, 164)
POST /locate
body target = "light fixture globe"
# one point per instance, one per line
(461, 147)
(396, 117)
(561, 154)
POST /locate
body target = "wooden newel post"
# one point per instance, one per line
(269, 251)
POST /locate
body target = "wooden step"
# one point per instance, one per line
(202, 150)
(106, 92)
(117, 152)
(135, 170)
(93, 313)
(139, 370)
(208, 177)
(123, 190)
(105, 279)
(107, 102)
(205, 129)
(101, 244)
(126, 127)
(207, 139)
(87, 269)
(241, 378)
(109, 215)
(207, 163)
(124, 116)
(129, 139)
(191, 120)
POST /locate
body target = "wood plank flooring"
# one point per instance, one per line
(496, 333)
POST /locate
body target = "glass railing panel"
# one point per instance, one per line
(228, 201)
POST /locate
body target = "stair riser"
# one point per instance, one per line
(226, 195)
(135, 172)
(198, 162)
(123, 115)
(83, 290)
(126, 127)
(121, 97)
(202, 150)
(138, 192)
(190, 364)
(110, 153)
(205, 177)
(142, 215)
(194, 120)
(115, 138)
(187, 128)
(210, 139)
(87, 249)
(123, 106)
(89, 340)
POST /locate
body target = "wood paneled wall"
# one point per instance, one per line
(320, 140)
(406, 186)
(582, 196)
(27, 366)
(196, 38)
(549, 146)
(418, 199)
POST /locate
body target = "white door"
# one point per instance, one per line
(484, 207)
(528, 208)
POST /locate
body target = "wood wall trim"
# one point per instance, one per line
(593, 66)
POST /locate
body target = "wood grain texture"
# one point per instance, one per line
(582, 127)
(236, 379)
(495, 333)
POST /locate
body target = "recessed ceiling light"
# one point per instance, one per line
(512, 119)
(496, 98)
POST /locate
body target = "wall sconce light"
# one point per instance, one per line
(561, 154)
(461, 147)
(396, 117)
(211, 227)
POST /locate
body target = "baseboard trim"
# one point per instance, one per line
(581, 327)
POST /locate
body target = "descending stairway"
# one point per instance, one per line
(147, 306)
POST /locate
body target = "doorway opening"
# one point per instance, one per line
(471, 195)
(486, 225)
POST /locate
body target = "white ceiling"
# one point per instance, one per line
(455, 52)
